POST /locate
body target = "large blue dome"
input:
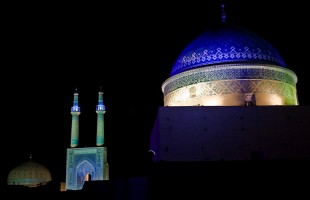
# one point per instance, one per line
(226, 44)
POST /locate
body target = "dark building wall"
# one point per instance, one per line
(230, 152)
(212, 133)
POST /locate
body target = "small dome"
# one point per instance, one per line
(29, 174)
(226, 44)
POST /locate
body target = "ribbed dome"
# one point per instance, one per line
(226, 44)
(29, 174)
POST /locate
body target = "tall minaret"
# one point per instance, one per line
(75, 112)
(100, 110)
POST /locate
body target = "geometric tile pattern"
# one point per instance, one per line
(84, 162)
(226, 44)
(214, 88)
(233, 72)
(29, 174)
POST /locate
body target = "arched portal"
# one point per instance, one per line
(83, 170)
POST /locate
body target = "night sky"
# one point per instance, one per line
(128, 50)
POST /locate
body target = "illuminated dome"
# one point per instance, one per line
(226, 44)
(30, 174)
(229, 66)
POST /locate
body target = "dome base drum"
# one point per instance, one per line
(232, 85)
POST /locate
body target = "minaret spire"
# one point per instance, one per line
(223, 13)
(75, 112)
(100, 110)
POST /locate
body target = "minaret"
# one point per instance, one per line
(100, 110)
(75, 112)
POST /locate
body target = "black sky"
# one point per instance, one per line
(129, 50)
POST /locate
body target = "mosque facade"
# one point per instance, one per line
(86, 163)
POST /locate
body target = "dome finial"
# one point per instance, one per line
(223, 13)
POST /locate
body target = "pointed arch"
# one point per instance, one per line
(83, 170)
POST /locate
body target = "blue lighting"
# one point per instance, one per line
(100, 107)
(75, 109)
(228, 44)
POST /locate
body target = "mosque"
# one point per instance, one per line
(230, 99)
(231, 112)
(226, 76)
(83, 163)
(86, 163)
